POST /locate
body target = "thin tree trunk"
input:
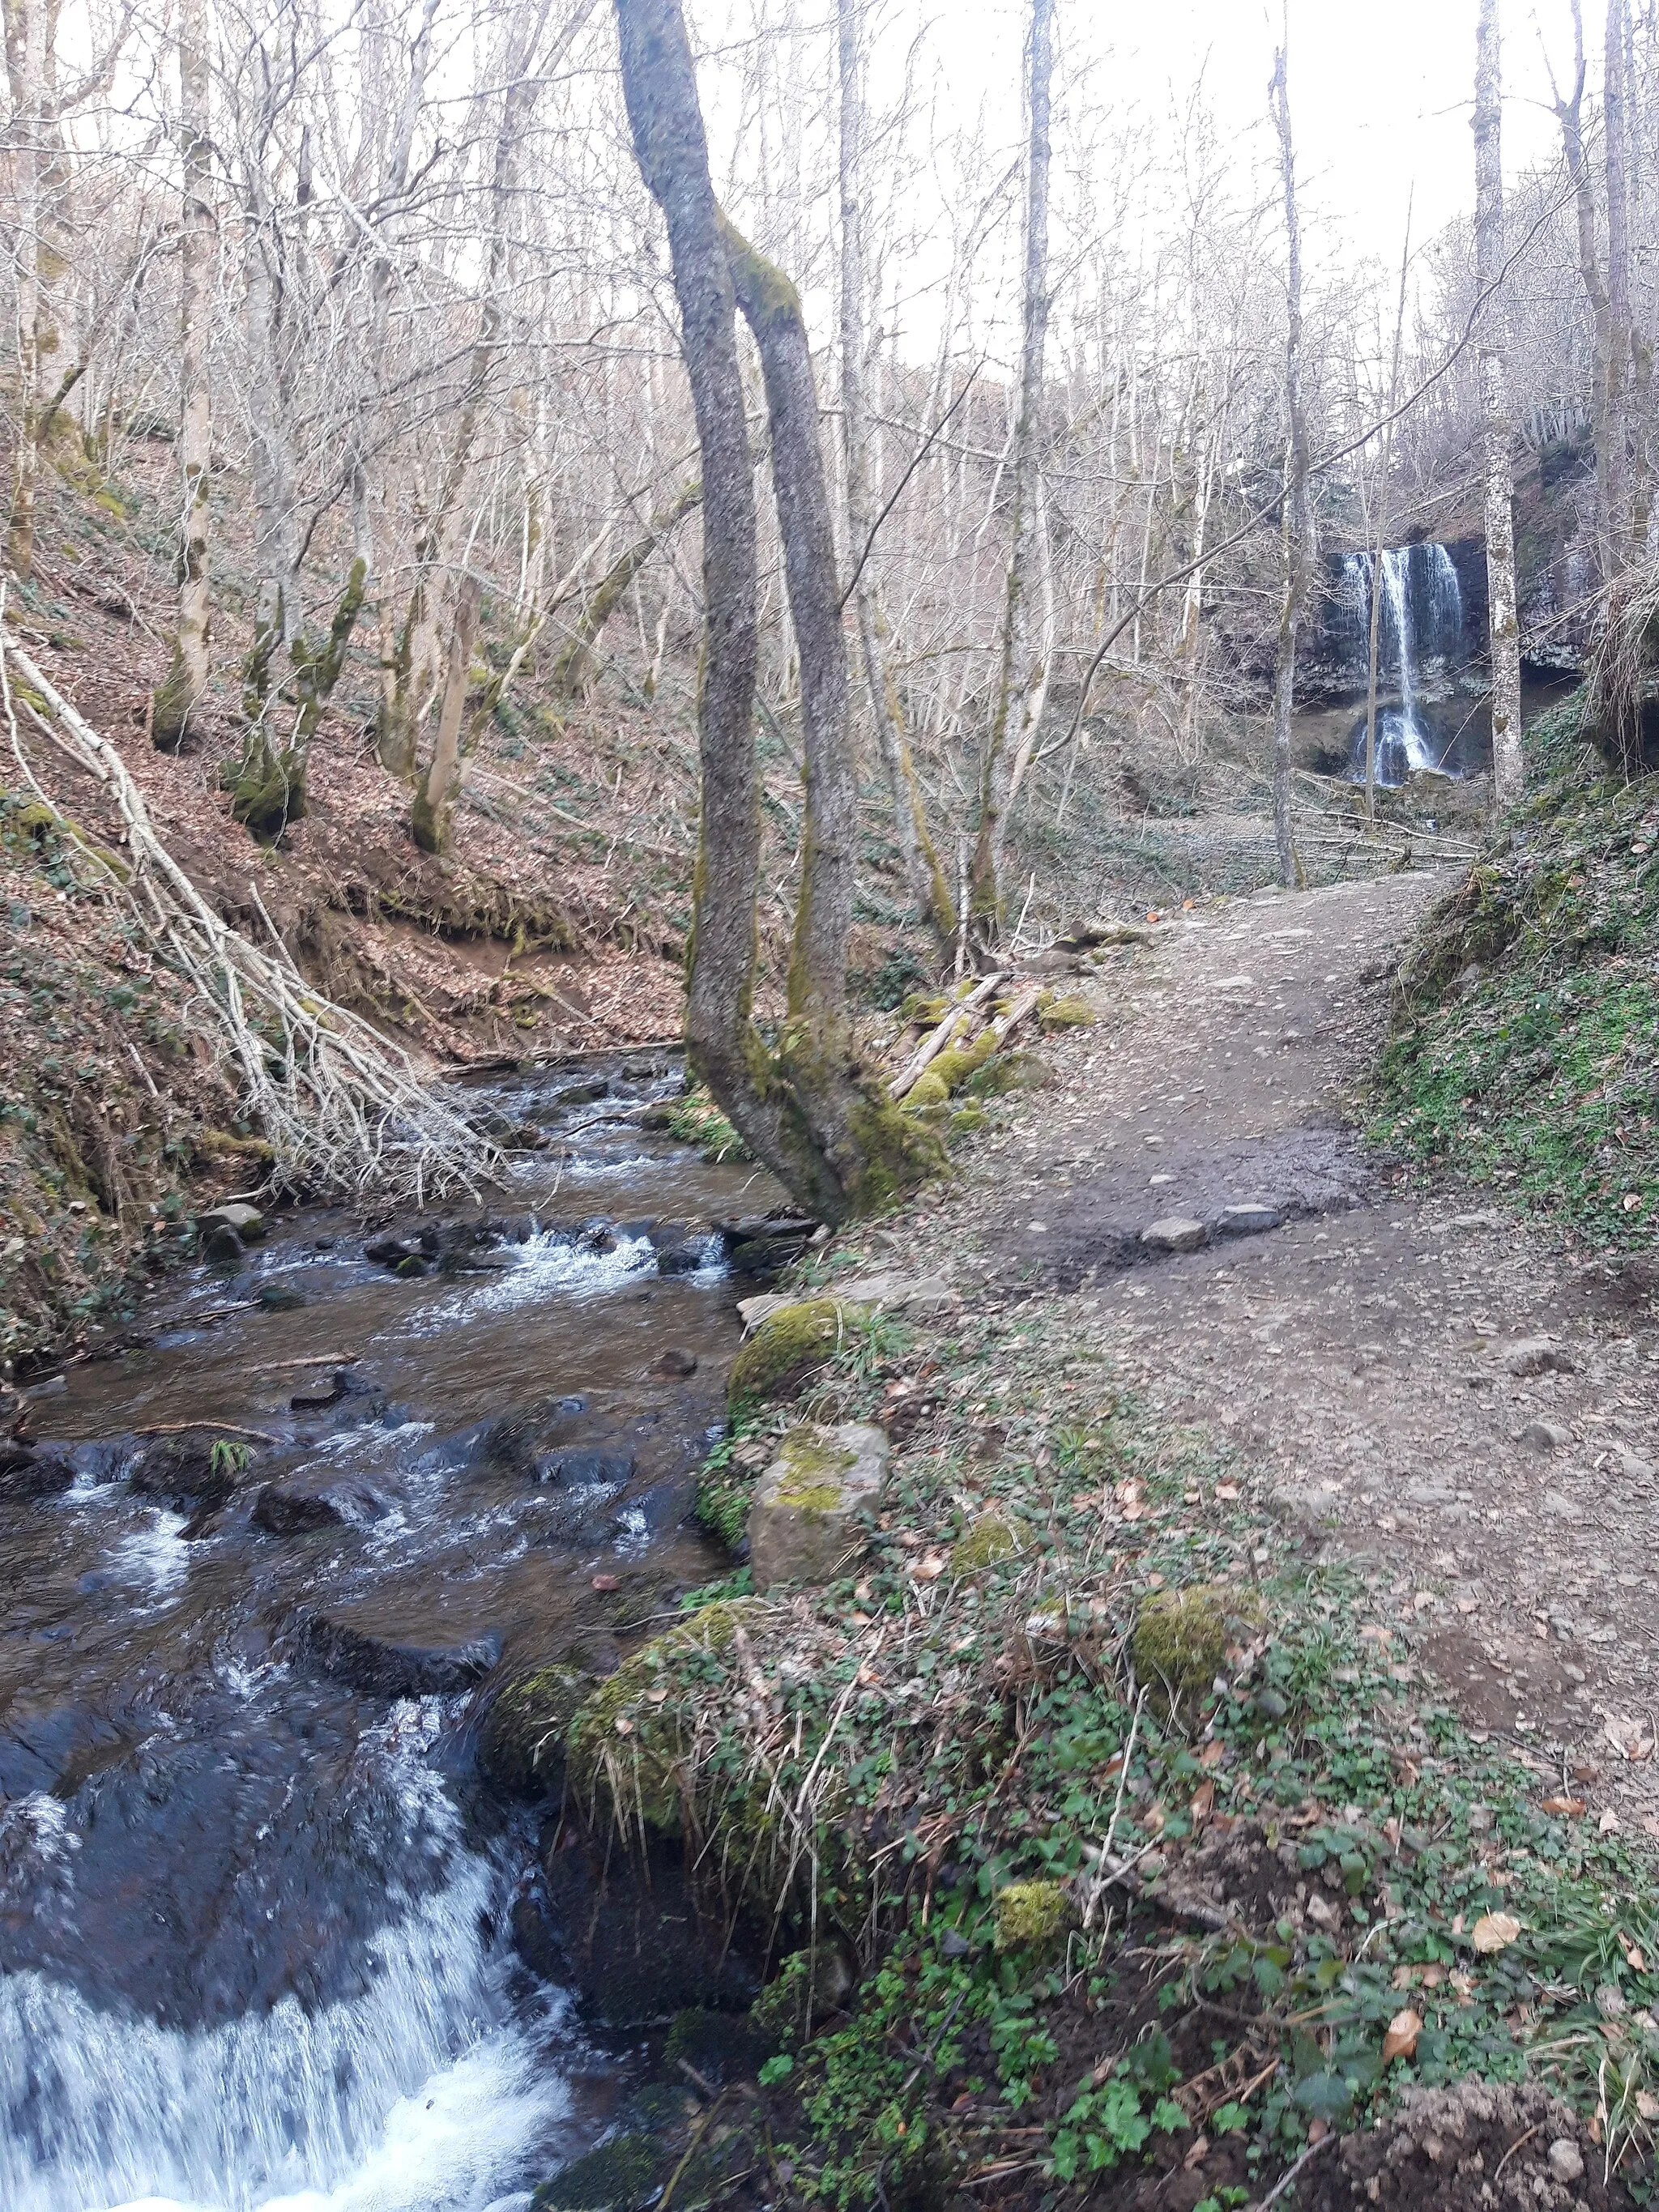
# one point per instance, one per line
(577, 665)
(269, 784)
(1503, 625)
(1023, 681)
(789, 1110)
(923, 876)
(432, 814)
(1569, 113)
(1293, 513)
(1616, 124)
(181, 690)
(26, 55)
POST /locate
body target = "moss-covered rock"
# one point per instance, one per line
(929, 1089)
(1033, 1916)
(1008, 1071)
(626, 2174)
(788, 1347)
(1180, 1643)
(1067, 1013)
(805, 1522)
(966, 1122)
(522, 1747)
(627, 1748)
(991, 1539)
(957, 1063)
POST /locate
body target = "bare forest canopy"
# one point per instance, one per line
(471, 341)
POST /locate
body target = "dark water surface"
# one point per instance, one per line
(253, 1903)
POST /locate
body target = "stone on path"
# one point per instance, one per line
(802, 1523)
(1536, 1355)
(1247, 1221)
(1546, 1436)
(1177, 1234)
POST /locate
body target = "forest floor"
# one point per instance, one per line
(1413, 1379)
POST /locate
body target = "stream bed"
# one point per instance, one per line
(256, 1909)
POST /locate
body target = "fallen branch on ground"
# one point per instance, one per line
(343, 1108)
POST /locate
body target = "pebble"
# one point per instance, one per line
(1565, 2160)
(1546, 1436)
(1536, 1355)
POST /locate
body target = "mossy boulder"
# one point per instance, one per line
(522, 1747)
(626, 2174)
(990, 1540)
(929, 1089)
(1180, 1643)
(954, 1065)
(805, 1522)
(788, 1346)
(1066, 1013)
(629, 1747)
(1008, 1071)
(1033, 1916)
(966, 1122)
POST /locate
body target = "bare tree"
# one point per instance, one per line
(1503, 626)
(806, 1109)
(917, 855)
(180, 692)
(1294, 519)
(1023, 682)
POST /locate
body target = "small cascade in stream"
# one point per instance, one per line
(417, 2088)
(1419, 634)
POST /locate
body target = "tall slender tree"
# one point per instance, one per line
(1023, 679)
(181, 691)
(1503, 622)
(1294, 520)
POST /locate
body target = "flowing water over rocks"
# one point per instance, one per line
(256, 1910)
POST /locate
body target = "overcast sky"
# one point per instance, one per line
(1380, 89)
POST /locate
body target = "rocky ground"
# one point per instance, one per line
(1414, 1377)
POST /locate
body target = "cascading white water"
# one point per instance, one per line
(422, 2091)
(1420, 627)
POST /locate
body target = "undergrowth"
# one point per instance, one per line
(1525, 1050)
(1106, 1925)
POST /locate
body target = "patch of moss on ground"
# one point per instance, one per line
(1525, 1044)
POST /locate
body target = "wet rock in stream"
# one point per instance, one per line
(382, 1667)
(291, 1507)
(199, 1467)
(27, 1471)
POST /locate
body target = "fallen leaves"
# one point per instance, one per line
(1203, 1803)
(1494, 1931)
(1400, 2041)
(929, 1568)
(607, 1582)
(1570, 1806)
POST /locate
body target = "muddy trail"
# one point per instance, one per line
(1416, 1379)
(266, 1938)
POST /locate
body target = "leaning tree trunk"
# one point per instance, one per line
(577, 666)
(829, 1135)
(1293, 510)
(1504, 628)
(270, 784)
(1023, 681)
(180, 692)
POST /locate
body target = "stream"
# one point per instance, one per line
(256, 1909)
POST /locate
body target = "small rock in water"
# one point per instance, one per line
(247, 1221)
(287, 1510)
(1177, 1234)
(378, 1667)
(223, 1247)
(1250, 1220)
(387, 1251)
(682, 1259)
(281, 1297)
(26, 1473)
(675, 1365)
(410, 1267)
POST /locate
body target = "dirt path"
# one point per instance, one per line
(1421, 1383)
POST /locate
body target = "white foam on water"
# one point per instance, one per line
(547, 1266)
(422, 2092)
(156, 1558)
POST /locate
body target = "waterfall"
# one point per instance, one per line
(1419, 632)
(424, 2088)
